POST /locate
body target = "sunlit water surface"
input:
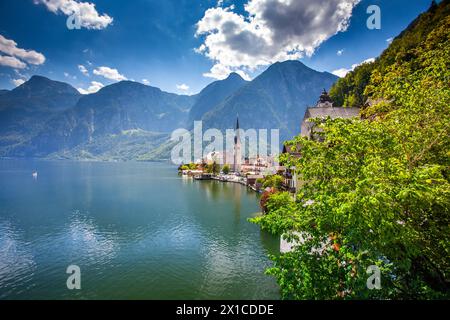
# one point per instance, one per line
(136, 230)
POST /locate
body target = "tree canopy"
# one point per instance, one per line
(377, 191)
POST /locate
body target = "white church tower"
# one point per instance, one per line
(237, 149)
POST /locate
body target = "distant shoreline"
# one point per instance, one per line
(84, 160)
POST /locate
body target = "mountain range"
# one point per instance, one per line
(131, 121)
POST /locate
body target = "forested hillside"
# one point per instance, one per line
(350, 90)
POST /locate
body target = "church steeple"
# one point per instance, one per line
(237, 148)
(237, 135)
(325, 100)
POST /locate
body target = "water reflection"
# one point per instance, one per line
(16, 260)
(85, 241)
(136, 230)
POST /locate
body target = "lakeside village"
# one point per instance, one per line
(262, 173)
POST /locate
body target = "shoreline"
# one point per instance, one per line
(225, 179)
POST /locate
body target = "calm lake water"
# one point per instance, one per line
(136, 230)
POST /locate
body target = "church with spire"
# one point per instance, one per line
(325, 108)
(237, 151)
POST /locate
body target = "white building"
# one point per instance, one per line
(237, 161)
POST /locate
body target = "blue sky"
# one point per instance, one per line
(182, 45)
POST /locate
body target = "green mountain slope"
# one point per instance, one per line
(350, 90)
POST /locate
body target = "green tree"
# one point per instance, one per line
(226, 169)
(349, 91)
(375, 192)
(192, 166)
(213, 168)
(273, 181)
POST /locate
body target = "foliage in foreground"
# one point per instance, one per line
(375, 192)
(273, 181)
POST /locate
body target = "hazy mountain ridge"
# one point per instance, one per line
(132, 121)
(110, 112)
(25, 110)
(214, 94)
(277, 99)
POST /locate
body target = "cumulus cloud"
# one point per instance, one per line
(109, 73)
(343, 71)
(83, 70)
(340, 52)
(18, 82)
(12, 62)
(183, 87)
(86, 12)
(93, 88)
(17, 57)
(145, 81)
(220, 72)
(271, 31)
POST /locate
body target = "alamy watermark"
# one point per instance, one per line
(374, 281)
(74, 280)
(235, 145)
(374, 20)
(74, 21)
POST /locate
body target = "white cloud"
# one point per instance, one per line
(12, 62)
(220, 72)
(389, 40)
(271, 31)
(145, 81)
(83, 70)
(18, 82)
(109, 73)
(343, 71)
(340, 52)
(86, 11)
(183, 87)
(10, 48)
(93, 88)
